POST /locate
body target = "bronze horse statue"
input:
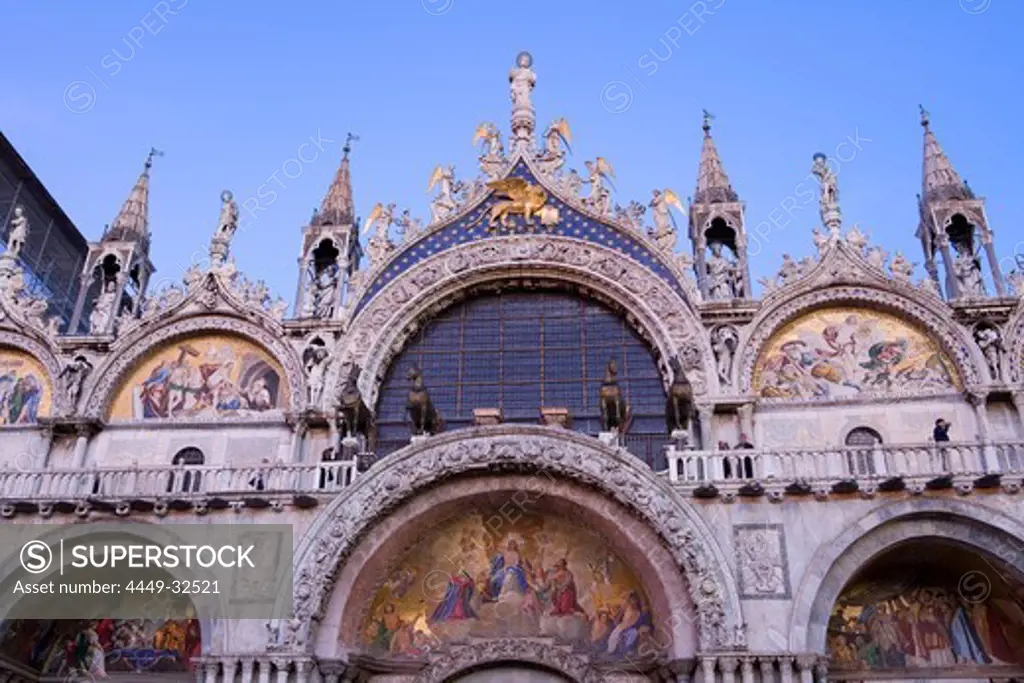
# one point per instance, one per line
(615, 411)
(355, 418)
(425, 417)
(679, 406)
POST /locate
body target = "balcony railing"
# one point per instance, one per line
(926, 460)
(691, 471)
(175, 482)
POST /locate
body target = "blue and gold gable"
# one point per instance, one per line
(494, 216)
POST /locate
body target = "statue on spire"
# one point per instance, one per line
(829, 195)
(521, 80)
(227, 224)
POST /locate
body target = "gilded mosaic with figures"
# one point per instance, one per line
(211, 375)
(545, 577)
(840, 353)
(24, 389)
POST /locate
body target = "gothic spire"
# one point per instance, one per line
(338, 207)
(940, 179)
(712, 182)
(132, 221)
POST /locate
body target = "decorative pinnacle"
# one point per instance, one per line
(708, 116)
(925, 116)
(349, 139)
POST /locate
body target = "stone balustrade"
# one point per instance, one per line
(865, 466)
(175, 481)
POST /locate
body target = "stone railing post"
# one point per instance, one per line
(707, 665)
(248, 663)
(281, 664)
(264, 664)
(747, 669)
(805, 663)
(230, 670)
(786, 669)
(767, 669)
(728, 666)
(303, 668)
(211, 668)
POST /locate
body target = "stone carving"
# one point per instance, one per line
(379, 246)
(492, 157)
(615, 411)
(901, 268)
(445, 203)
(227, 224)
(551, 159)
(967, 270)
(355, 418)
(19, 232)
(829, 200)
(631, 217)
(316, 358)
(991, 344)
(930, 287)
(600, 199)
(71, 378)
(521, 80)
(722, 274)
(519, 198)
(409, 228)
(724, 341)
(877, 256)
(103, 308)
(821, 242)
(664, 232)
(323, 292)
(1016, 282)
(789, 271)
(446, 665)
(571, 183)
(856, 239)
(558, 453)
(761, 561)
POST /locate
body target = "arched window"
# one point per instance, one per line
(191, 480)
(861, 457)
(519, 351)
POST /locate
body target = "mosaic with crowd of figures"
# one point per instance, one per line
(75, 649)
(920, 622)
(212, 375)
(24, 390)
(837, 353)
(544, 577)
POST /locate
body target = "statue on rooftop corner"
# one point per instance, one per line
(664, 232)
(827, 179)
(967, 269)
(615, 410)
(521, 80)
(19, 232)
(445, 203)
(379, 245)
(600, 198)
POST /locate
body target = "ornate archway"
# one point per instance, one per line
(540, 458)
(380, 329)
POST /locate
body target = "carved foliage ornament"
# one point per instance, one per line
(102, 382)
(464, 657)
(527, 450)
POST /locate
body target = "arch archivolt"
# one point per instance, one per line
(952, 340)
(339, 559)
(835, 563)
(380, 330)
(103, 383)
(1013, 339)
(44, 354)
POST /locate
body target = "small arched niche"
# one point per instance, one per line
(929, 609)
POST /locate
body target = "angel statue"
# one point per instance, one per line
(553, 156)
(409, 228)
(822, 242)
(444, 204)
(856, 239)
(493, 157)
(600, 197)
(379, 245)
(664, 232)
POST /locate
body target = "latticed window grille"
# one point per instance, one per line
(519, 351)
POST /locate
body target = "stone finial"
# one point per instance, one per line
(712, 182)
(132, 221)
(338, 207)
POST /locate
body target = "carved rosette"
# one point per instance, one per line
(908, 304)
(102, 382)
(381, 328)
(520, 449)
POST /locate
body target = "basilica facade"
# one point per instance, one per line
(544, 437)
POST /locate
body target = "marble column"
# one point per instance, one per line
(302, 671)
(707, 665)
(728, 666)
(212, 668)
(298, 440)
(248, 663)
(230, 669)
(767, 670)
(264, 670)
(993, 262)
(707, 435)
(805, 663)
(1018, 405)
(747, 669)
(785, 669)
(952, 284)
(282, 669)
(82, 433)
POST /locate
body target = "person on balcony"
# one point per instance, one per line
(941, 431)
(744, 443)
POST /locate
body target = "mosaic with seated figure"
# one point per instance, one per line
(540, 577)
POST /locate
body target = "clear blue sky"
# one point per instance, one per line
(231, 89)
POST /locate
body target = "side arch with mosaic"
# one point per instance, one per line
(26, 381)
(854, 342)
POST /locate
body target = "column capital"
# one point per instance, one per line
(806, 662)
(728, 663)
